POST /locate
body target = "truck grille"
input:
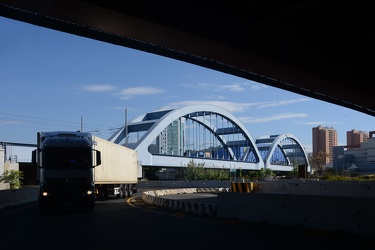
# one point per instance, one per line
(67, 181)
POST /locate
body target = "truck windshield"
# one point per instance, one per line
(59, 158)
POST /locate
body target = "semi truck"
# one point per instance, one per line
(76, 167)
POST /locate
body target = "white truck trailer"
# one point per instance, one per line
(118, 172)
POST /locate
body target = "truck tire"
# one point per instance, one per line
(130, 190)
(123, 191)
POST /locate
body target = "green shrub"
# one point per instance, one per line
(198, 171)
(13, 177)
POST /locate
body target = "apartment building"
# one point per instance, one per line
(354, 138)
(323, 140)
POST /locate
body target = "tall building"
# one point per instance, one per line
(323, 140)
(354, 138)
(171, 139)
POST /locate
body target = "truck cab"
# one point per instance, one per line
(65, 163)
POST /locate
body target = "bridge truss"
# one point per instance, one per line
(208, 134)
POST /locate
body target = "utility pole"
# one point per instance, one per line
(126, 127)
(81, 123)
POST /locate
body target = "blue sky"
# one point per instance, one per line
(52, 80)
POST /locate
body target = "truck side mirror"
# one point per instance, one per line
(33, 158)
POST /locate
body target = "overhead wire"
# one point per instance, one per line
(8, 119)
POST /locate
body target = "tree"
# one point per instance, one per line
(13, 177)
(318, 161)
(198, 171)
(252, 175)
(263, 174)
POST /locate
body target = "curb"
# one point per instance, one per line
(156, 198)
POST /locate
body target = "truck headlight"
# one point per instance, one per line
(89, 192)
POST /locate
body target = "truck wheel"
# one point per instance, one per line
(130, 190)
(123, 191)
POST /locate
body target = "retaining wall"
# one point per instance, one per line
(15, 197)
(348, 214)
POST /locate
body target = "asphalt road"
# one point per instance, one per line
(130, 223)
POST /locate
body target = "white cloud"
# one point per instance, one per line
(136, 91)
(11, 122)
(257, 86)
(273, 118)
(233, 87)
(315, 123)
(99, 88)
(322, 123)
(282, 103)
(231, 107)
(196, 85)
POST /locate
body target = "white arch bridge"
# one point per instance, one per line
(209, 134)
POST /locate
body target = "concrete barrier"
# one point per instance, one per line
(333, 206)
(157, 198)
(348, 214)
(242, 187)
(317, 188)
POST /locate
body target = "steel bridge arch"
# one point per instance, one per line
(163, 118)
(277, 143)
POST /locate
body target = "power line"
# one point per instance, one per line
(8, 119)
